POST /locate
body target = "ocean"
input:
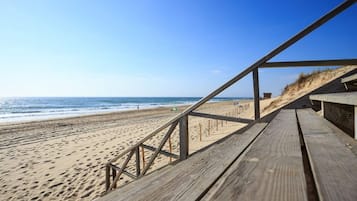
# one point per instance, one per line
(39, 108)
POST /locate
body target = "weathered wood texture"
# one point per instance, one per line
(333, 164)
(348, 98)
(256, 94)
(272, 169)
(311, 63)
(341, 115)
(163, 152)
(157, 151)
(184, 144)
(220, 117)
(351, 78)
(188, 179)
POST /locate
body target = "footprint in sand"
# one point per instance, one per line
(47, 194)
(55, 185)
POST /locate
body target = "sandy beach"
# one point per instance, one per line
(64, 159)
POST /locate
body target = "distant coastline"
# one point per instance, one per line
(20, 109)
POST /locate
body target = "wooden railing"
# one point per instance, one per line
(114, 172)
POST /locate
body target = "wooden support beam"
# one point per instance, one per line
(355, 122)
(163, 152)
(114, 175)
(220, 117)
(162, 143)
(256, 94)
(137, 160)
(184, 137)
(129, 174)
(123, 171)
(107, 177)
(310, 63)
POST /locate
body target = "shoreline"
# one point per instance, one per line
(77, 114)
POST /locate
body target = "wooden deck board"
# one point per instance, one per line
(334, 166)
(190, 178)
(272, 169)
(348, 98)
(351, 78)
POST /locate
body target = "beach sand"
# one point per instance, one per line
(64, 159)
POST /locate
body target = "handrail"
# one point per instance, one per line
(257, 64)
(311, 63)
(262, 62)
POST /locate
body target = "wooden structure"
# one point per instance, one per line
(332, 163)
(297, 156)
(350, 82)
(267, 95)
(341, 109)
(115, 170)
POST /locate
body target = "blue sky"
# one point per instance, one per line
(159, 47)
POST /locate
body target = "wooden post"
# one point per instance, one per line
(114, 175)
(355, 122)
(200, 131)
(107, 177)
(170, 148)
(209, 127)
(216, 125)
(184, 137)
(256, 94)
(137, 161)
(143, 156)
(221, 123)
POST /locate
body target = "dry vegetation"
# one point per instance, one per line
(306, 83)
(305, 80)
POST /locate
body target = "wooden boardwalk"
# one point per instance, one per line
(275, 158)
(272, 169)
(334, 166)
(266, 162)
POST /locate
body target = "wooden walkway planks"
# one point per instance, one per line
(272, 169)
(188, 179)
(334, 166)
